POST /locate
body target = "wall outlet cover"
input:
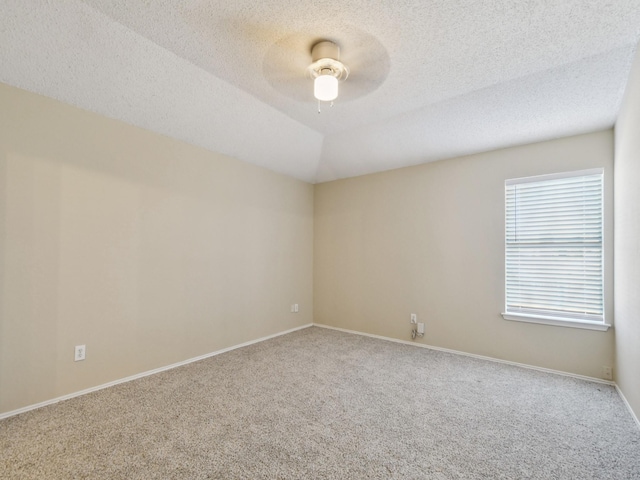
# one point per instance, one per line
(80, 352)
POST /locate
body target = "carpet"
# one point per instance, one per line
(319, 403)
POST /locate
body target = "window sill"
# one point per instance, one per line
(557, 322)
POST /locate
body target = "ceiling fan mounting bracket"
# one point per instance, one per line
(326, 61)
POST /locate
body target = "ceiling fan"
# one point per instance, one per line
(309, 68)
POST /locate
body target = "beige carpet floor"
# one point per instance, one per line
(319, 403)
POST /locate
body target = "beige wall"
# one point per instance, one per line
(627, 241)
(147, 250)
(151, 251)
(430, 240)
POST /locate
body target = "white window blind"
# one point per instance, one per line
(554, 254)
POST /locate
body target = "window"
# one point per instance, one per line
(554, 254)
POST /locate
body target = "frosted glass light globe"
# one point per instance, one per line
(325, 88)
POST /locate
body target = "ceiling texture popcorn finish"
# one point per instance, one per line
(428, 79)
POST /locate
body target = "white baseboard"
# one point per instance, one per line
(481, 357)
(146, 374)
(262, 339)
(624, 400)
(491, 359)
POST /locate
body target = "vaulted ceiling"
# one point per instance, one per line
(430, 79)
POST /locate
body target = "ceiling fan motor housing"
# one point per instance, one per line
(325, 49)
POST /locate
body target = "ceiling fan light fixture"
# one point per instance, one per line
(327, 70)
(325, 87)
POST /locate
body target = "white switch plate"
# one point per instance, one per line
(296, 307)
(421, 328)
(80, 352)
(414, 318)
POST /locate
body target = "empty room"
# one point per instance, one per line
(338, 240)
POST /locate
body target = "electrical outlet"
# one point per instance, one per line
(414, 318)
(81, 351)
(607, 373)
(294, 308)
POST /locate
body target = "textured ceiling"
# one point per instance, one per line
(429, 79)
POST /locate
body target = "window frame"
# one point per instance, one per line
(566, 319)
